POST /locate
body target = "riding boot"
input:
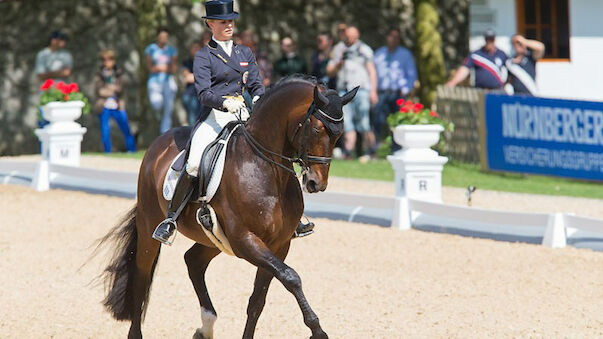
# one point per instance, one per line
(303, 230)
(182, 193)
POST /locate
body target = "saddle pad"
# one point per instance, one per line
(171, 178)
(216, 235)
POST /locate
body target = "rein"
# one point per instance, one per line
(302, 160)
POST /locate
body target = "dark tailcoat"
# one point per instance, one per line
(218, 75)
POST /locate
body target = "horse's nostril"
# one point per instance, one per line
(311, 186)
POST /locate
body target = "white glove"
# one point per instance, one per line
(233, 105)
(255, 98)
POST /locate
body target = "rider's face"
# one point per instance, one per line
(222, 29)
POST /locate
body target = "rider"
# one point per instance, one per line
(223, 71)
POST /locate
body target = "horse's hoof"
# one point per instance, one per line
(199, 335)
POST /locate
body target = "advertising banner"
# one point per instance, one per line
(543, 136)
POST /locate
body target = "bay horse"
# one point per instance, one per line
(258, 204)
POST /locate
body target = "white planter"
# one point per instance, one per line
(62, 111)
(417, 136)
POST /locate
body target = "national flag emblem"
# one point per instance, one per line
(244, 64)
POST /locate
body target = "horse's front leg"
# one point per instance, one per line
(253, 249)
(258, 297)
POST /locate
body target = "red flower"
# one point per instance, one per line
(47, 84)
(417, 107)
(404, 109)
(66, 97)
(400, 102)
(61, 86)
(416, 112)
(73, 87)
(433, 114)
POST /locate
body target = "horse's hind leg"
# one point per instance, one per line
(197, 259)
(258, 297)
(147, 253)
(253, 249)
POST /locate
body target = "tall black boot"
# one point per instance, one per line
(182, 193)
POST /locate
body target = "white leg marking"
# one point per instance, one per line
(207, 319)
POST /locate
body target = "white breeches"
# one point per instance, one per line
(206, 133)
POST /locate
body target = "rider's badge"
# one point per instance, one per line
(244, 63)
(245, 75)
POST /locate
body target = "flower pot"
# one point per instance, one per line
(62, 111)
(417, 136)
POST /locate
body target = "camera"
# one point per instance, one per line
(346, 55)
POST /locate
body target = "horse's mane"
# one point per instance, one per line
(293, 79)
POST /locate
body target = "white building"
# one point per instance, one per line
(572, 31)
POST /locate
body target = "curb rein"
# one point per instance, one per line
(302, 160)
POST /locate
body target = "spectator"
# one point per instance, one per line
(320, 59)
(161, 64)
(250, 39)
(189, 96)
(290, 62)
(396, 73)
(53, 62)
(109, 86)
(522, 67)
(354, 66)
(489, 65)
(205, 38)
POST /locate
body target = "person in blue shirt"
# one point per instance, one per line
(161, 86)
(223, 70)
(396, 76)
(189, 96)
(488, 63)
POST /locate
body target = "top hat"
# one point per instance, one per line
(220, 10)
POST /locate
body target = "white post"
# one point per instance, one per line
(61, 140)
(554, 235)
(417, 168)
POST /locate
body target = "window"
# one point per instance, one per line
(546, 21)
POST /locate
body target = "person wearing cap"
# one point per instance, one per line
(522, 67)
(488, 63)
(53, 62)
(223, 70)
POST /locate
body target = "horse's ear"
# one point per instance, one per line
(320, 98)
(349, 95)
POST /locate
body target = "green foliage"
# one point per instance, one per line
(429, 55)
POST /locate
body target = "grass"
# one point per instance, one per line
(458, 175)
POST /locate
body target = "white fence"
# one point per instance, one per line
(405, 214)
(558, 226)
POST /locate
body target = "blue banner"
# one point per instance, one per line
(544, 136)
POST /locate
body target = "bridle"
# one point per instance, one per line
(303, 159)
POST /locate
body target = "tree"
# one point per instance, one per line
(430, 59)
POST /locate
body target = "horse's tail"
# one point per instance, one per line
(119, 275)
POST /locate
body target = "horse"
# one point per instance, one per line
(259, 203)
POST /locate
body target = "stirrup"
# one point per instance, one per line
(309, 226)
(160, 235)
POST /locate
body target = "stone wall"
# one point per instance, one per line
(95, 24)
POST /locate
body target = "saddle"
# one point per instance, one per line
(212, 162)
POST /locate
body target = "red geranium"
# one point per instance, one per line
(400, 102)
(47, 84)
(73, 87)
(404, 109)
(434, 114)
(63, 87)
(417, 107)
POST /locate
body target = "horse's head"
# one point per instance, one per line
(317, 134)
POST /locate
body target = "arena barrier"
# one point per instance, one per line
(406, 212)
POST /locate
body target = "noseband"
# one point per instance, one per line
(303, 159)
